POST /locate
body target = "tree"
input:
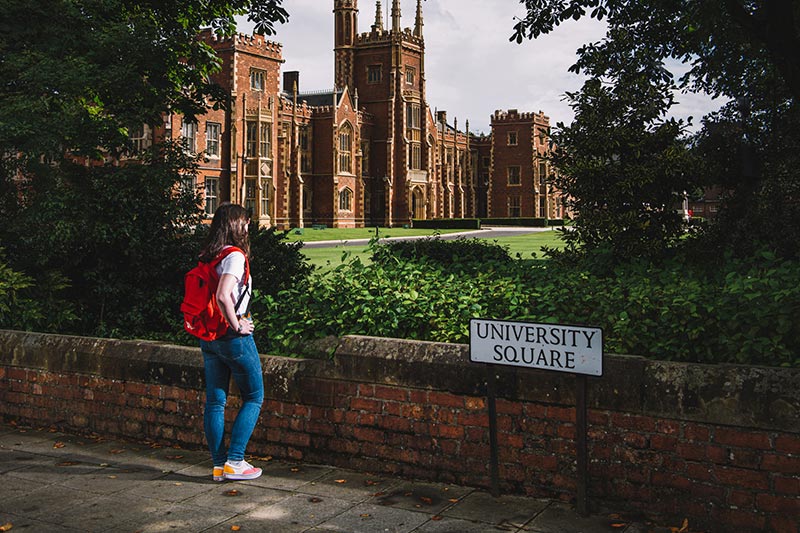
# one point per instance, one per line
(745, 51)
(77, 76)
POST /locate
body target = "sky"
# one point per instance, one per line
(471, 68)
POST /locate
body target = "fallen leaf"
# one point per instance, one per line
(365, 515)
(6, 527)
(112, 477)
(340, 480)
(619, 525)
(453, 500)
(174, 457)
(59, 444)
(236, 528)
(369, 482)
(294, 469)
(265, 458)
(315, 500)
(178, 483)
(67, 463)
(379, 494)
(436, 518)
(426, 500)
(117, 451)
(232, 492)
(614, 516)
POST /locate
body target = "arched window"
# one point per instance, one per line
(346, 199)
(346, 149)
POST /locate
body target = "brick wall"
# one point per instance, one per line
(717, 445)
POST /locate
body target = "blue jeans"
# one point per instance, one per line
(237, 357)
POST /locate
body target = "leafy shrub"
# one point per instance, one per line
(515, 221)
(461, 251)
(744, 311)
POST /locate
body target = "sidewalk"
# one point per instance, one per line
(52, 482)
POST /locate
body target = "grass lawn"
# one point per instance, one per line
(342, 234)
(330, 257)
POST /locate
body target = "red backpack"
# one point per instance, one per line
(201, 314)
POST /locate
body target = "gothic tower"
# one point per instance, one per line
(345, 13)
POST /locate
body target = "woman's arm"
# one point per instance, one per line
(228, 307)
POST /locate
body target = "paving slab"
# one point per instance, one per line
(510, 511)
(432, 498)
(301, 509)
(349, 485)
(371, 518)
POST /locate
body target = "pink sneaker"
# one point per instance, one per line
(243, 471)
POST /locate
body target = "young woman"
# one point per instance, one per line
(235, 353)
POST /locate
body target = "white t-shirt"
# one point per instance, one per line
(233, 264)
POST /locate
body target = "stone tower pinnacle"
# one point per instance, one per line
(418, 22)
(396, 15)
(378, 26)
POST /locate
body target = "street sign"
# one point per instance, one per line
(562, 348)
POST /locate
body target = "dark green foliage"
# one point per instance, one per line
(515, 221)
(731, 311)
(447, 223)
(459, 253)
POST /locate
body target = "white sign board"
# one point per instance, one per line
(573, 349)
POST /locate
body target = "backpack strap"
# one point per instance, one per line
(222, 255)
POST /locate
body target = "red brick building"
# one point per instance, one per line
(369, 152)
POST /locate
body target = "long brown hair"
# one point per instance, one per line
(228, 228)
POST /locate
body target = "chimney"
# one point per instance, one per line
(289, 79)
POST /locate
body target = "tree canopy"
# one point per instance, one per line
(102, 246)
(745, 51)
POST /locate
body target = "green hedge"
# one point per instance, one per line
(515, 221)
(743, 311)
(447, 223)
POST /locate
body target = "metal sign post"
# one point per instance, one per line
(577, 350)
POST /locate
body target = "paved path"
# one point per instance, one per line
(484, 233)
(51, 482)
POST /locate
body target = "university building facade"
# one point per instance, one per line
(369, 152)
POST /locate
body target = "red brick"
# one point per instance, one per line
(476, 434)
(365, 404)
(668, 427)
(781, 463)
(395, 423)
(474, 404)
(535, 410)
(597, 418)
(417, 396)
(640, 423)
(778, 504)
(368, 434)
(696, 433)
(445, 399)
(787, 485)
(540, 462)
(788, 444)
(740, 520)
(509, 408)
(635, 440)
(506, 439)
(451, 432)
(742, 499)
(700, 472)
(564, 414)
(744, 439)
(740, 477)
(663, 442)
(783, 524)
(468, 419)
(391, 393)
(366, 390)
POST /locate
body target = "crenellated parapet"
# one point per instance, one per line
(513, 115)
(384, 37)
(256, 43)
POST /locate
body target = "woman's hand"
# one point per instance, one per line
(246, 327)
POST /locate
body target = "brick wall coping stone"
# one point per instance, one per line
(745, 396)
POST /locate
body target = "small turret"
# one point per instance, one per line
(378, 26)
(418, 22)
